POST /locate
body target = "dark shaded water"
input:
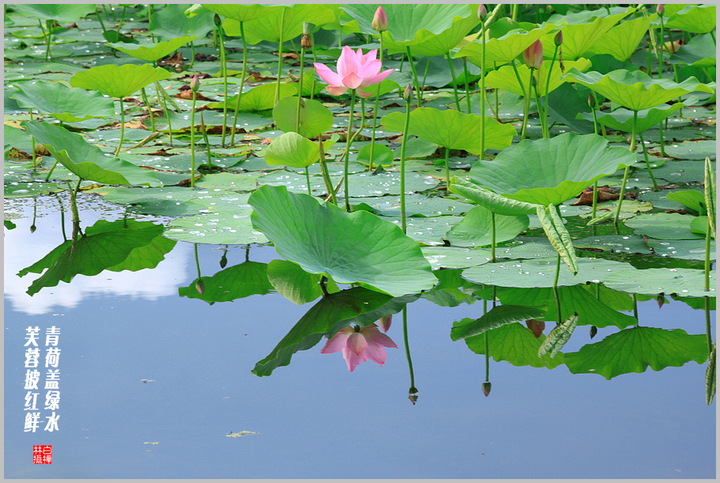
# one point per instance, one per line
(314, 419)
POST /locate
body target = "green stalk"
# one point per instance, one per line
(347, 152)
(482, 95)
(627, 168)
(165, 109)
(541, 113)
(526, 95)
(452, 72)
(205, 138)
(32, 139)
(647, 162)
(377, 106)
(300, 85)
(122, 126)
(707, 255)
(192, 142)
(547, 87)
(223, 68)
(47, 40)
(280, 51)
(415, 77)
(497, 103)
(447, 170)
(555, 289)
(492, 246)
(467, 83)
(402, 165)
(427, 66)
(660, 70)
(242, 83)
(325, 174)
(145, 100)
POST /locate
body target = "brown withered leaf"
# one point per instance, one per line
(205, 58)
(16, 153)
(257, 77)
(187, 94)
(536, 326)
(681, 212)
(186, 182)
(161, 152)
(174, 60)
(604, 194)
(667, 186)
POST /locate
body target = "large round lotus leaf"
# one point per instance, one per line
(225, 227)
(514, 343)
(155, 51)
(259, 98)
(241, 13)
(118, 80)
(284, 23)
(636, 90)
(64, 103)
(550, 171)
(698, 52)
(409, 24)
(653, 281)
(350, 247)
(684, 249)
(455, 257)
(634, 349)
(171, 21)
(663, 226)
(62, 12)
(503, 49)
(476, 228)
(87, 161)
(505, 78)
(452, 129)
(622, 119)
(540, 272)
(622, 40)
(429, 44)
(698, 19)
(315, 118)
(427, 231)
(692, 150)
(416, 205)
(292, 149)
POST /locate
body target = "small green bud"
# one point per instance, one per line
(486, 386)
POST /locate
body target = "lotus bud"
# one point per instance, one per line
(593, 331)
(558, 39)
(412, 395)
(195, 83)
(380, 20)
(200, 286)
(533, 55)
(486, 388)
(534, 81)
(660, 9)
(33, 228)
(385, 322)
(223, 260)
(591, 101)
(217, 20)
(482, 12)
(408, 94)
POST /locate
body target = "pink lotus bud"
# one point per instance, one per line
(408, 94)
(482, 12)
(558, 39)
(385, 322)
(536, 326)
(591, 101)
(486, 386)
(660, 9)
(380, 20)
(195, 83)
(533, 55)
(200, 286)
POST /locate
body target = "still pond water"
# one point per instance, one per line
(155, 385)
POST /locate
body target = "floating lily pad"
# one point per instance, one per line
(684, 249)
(427, 231)
(63, 103)
(416, 205)
(692, 150)
(453, 257)
(475, 230)
(236, 282)
(663, 226)
(653, 281)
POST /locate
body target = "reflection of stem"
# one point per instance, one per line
(323, 286)
(627, 168)
(402, 165)
(487, 347)
(555, 288)
(707, 254)
(242, 82)
(452, 73)
(708, 327)
(413, 389)
(635, 309)
(247, 254)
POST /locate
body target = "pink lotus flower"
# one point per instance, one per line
(354, 71)
(533, 55)
(359, 344)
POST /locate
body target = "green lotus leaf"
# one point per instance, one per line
(578, 38)
(622, 119)
(319, 320)
(118, 80)
(284, 23)
(156, 51)
(558, 235)
(62, 12)
(496, 317)
(452, 129)
(550, 171)
(493, 202)
(636, 348)
(622, 40)
(292, 149)
(171, 22)
(558, 337)
(87, 161)
(117, 245)
(64, 103)
(697, 19)
(241, 13)
(636, 90)
(453, 257)
(685, 282)
(315, 118)
(295, 284)
(503, 49)
(410, 24)
(515, 344)
(350, 247)
(382, 155)
(475, 230)
(259, 98)
(429, 44)
(663, 226)
(236, 282)
(692, 199)
(698, 52)
(505, 78)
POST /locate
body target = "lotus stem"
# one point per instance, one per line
(325, 174)
(280, 52)
(526, 95)
(161, 93)
(467, 82)
(647, 162)
(377, 106)
(223, 68)
(347, 152)
(447, 170)
(415, 77)
(660, 70)
(627, 168)
(707, 254)
(452, 72)
(32, 140)
(547, 88)
(492, 246)
(402, 165)
(541, 113)
(205, 138)
(192, 141)
(300, 85)
(482, 95)
(47, 39)
(413, 390)
(555, 289)
(122, 127)
(242, 83)
(147, 104)
(497, 103)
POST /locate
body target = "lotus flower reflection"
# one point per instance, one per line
(354, 71)
(359, 344)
